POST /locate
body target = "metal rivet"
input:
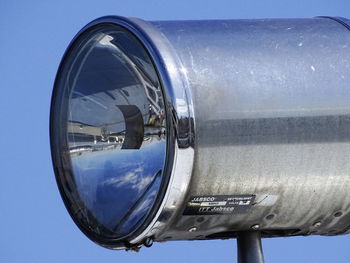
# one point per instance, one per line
(317, 224)
(269, 217)
(192, 229)
(200, 219)
(255, 227)
(338, 214)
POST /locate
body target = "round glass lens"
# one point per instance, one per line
(115, 131)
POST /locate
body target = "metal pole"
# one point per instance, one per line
(249, 247)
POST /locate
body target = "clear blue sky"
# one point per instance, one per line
(35, 226)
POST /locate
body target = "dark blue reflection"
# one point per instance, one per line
(116, 132)
(111, 183)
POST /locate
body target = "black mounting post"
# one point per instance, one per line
(249, 247)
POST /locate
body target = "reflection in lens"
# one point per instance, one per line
(115, 130)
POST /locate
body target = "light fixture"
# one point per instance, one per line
(191, 130)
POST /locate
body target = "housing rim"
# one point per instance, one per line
(171, 117)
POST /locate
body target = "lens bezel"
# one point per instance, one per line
(58, 139)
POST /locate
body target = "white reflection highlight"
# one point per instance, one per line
(106, 41)
(134, 179)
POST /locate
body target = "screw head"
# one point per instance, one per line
(148, 242)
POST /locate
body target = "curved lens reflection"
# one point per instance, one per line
(116, 130)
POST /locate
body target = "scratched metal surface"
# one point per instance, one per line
(272, 119)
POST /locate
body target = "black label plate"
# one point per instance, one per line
(218, 204)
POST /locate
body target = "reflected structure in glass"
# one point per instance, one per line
(116, 131)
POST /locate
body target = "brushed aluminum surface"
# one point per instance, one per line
(271, 106)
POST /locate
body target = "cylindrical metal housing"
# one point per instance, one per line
(257, 133)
